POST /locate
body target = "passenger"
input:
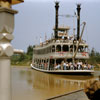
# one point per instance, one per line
(85, 66)
(56, 67)
(75, 66)
(92, 67)
(59, 66)
(64, 65)
(79, 65)
(45, 65)
(42, 65)
(67, 66)
(71, 66)
(89, 66)
(51, 66)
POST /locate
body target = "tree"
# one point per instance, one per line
(92, 54)
(30, 51)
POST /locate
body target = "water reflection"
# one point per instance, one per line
(36, 85)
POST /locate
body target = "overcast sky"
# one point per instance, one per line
(37, 18)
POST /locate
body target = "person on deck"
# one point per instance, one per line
(64, 65)
(85, 66)
(67, 66)
(57, 67)
(75, 66)
(71, 66)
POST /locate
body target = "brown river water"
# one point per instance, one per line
(29, 84)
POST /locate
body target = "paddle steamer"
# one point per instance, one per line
(63, 53)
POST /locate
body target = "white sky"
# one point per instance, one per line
(36, 19)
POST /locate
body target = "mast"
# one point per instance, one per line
(78, 21)
(56, 19)
(84, 23)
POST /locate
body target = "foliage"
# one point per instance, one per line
(94, 57)
(23, 59)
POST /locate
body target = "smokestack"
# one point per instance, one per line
(56, 19)
(78, 21)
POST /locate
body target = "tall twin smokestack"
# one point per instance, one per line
(78, 20)
(56, 19)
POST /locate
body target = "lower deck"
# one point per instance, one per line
(63, 71)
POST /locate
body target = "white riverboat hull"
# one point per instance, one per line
(64, 71)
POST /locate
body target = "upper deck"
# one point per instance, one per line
(51, 42)
(62, 47)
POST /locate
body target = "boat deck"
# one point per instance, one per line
(64, 71)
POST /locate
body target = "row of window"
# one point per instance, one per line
(59, 48)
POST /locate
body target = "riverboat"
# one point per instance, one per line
(63, 53)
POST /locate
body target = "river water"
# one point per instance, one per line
(29, 84)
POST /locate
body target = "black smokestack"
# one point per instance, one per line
(78, 21)
(56, 19)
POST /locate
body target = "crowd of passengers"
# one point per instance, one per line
(74, 66)
(67, 66)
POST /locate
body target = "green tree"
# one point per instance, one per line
(30, 51)
(92, 54)
(94, 57)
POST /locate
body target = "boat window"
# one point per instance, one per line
(65, 48)
(86, 49)
(80, 49)
(58, 48)
(71, 48)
